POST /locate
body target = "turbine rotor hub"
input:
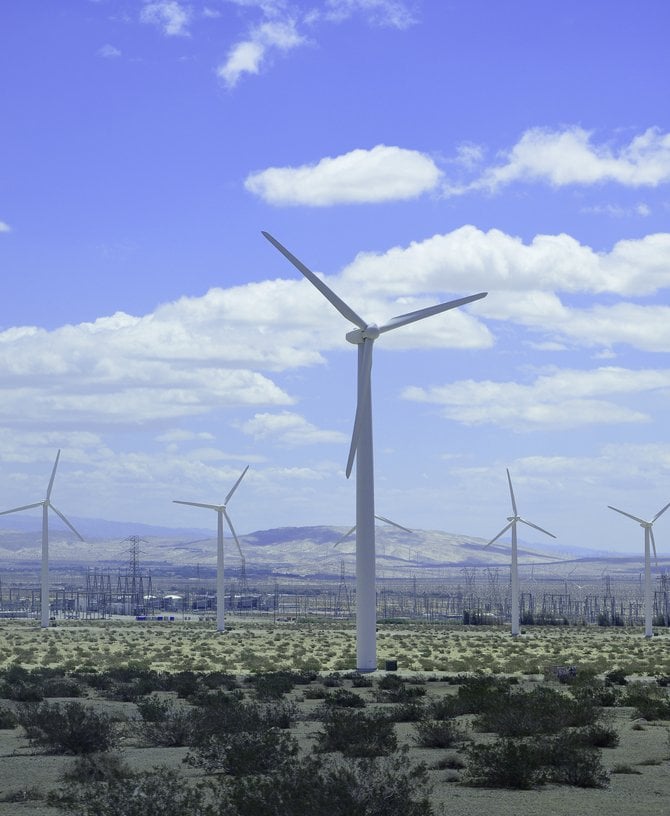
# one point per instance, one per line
(358, 336)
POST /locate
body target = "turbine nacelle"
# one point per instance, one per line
(358, 336)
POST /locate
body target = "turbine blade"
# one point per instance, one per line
(234, 487)
(394, 524)
(511, 493)
(660, 512)
(25, 507)
(535, 527)
(653, 544)
(345, 536)
(623, 513)
(338, 303)
(53, 476)
(411, 317)
(362, 405)
(216, 507)
(62, 518)
(502, 532)
(232, 530)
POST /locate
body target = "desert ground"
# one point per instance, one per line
(429, 657)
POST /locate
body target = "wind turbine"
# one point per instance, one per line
(512, 522)
(44, 574)
(221, 513)
(364, 336)
(379, 518)
(648, 537)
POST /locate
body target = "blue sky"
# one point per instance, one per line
(410, 152)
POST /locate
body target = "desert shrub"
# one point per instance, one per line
(226, 713)
(332, 680)
(506, 763)
(359, 680)
(153, 709)
(443, 709)
(356, 734)
(342, 698)
(175, 731)
(272, 685)
(650, 702)
(481, 693)
(7, 719)
(220, 680)
(407, 712)
(160, 791)
(244, 753)
(315, 693)
(540, 711)
(616, 677)
(438, 733)
(598, 735)
(70, 728)
(390, 682)
(185, 683)
(30, 793)
(399, 694)
(330, 786)
(568, 761)
(61, 687)
(597, 693)
(21, 692)
(97, 767)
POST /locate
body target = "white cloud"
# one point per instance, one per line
(108, 51)
(361, 176)
(569, 157)
(618, 211)
(562, 399)
(5, 227)
(391, 13)
(468, 258)
(247, 56)
(288, 428)
(170, 16)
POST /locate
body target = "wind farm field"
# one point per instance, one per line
(253, 644)
(159, 686)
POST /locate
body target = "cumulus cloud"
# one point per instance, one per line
(470, 258)
(290, 429)
(383, 173)
(570, 157)
(172, 17)
(247, 56)
(4, 227)
(562, 399)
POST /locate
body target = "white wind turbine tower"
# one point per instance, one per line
(512, 522)
(364, 337)
(44, 574)
(221, 513)
(648, 537)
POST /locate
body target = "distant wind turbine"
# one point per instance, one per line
(648, 537)
(364, 337)
(515, 564)
(44, 575)
(221, 514)
(379, 518)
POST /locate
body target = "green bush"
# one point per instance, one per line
(7, 719)
(506, 763)
(71, 728)
(481, 693)
(540, 711)
(342, 698)
(438, 733)
(650, 702)
(320, 786)
(244, 753)
(152, 709)
(273, 685)
(161, 791)
(356, 734)
(97, 767)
